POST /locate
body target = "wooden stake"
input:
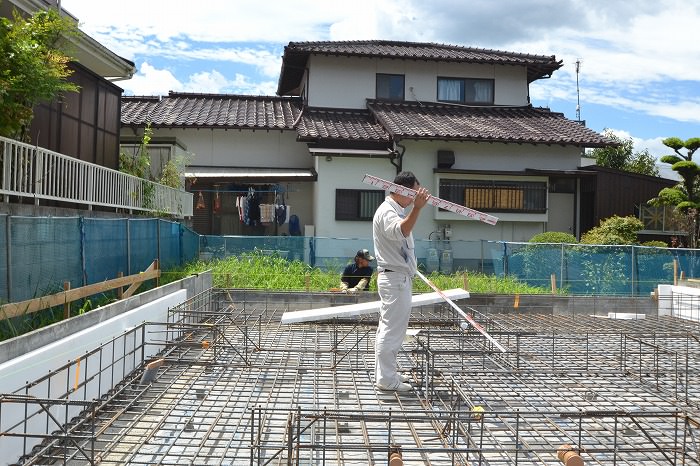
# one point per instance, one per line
(675, 272)
(465, 281)
(120, 289)
(554, 283)
(66, 306)
(307, 282)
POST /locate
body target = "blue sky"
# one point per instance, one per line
(639, 60)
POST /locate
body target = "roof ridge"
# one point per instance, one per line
(230, 96)
(436, 45)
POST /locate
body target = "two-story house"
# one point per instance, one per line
(460, 118)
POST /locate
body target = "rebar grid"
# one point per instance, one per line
(237, 387)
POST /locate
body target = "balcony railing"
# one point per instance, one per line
(36, 173)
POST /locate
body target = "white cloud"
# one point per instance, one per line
(638, 57)
(151, 81)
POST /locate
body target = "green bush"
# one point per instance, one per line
(554, 237)
(614, 230)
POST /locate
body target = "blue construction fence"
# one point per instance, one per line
(41, 253)
(572, 268)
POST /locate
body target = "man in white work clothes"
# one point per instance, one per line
(396, 264)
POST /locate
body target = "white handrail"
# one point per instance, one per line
(37, 173)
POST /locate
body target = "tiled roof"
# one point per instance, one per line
(379, 124)
(136, 110)
(296, 55)
(328, 124)
(212, 111)
(413, 120)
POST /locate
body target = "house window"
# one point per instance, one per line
(390, 86)
(465, 90)
(659, 218)
(562, 185)
(496, 196)
(357, 204)
(159, 155)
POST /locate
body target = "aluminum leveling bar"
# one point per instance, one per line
(463, 314)
(432, 200)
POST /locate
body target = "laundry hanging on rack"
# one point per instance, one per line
(281, 213)
(252, 217)
(251, 211)
(242, 206)
(267, 213)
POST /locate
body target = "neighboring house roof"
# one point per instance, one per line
(296, 55)
(378, 126)
(340, 124)
(416, 120)
(212, 111)
(84, 49)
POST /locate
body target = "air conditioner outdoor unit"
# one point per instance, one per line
(445, 158)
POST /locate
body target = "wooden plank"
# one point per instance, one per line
(350, 310)
(135, 286)
(10, 310)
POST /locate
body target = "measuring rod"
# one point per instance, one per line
(432, 200)
(463, 314)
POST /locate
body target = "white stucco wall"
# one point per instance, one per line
(421, 159)
(330, 84)
(241, 148)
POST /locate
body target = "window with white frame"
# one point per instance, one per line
(390, 86)
(465, 90)
(357, 204)
(496, 196)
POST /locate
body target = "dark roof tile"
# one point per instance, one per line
(137, 110)
(212, 111)
(413, 120)
(323, 124)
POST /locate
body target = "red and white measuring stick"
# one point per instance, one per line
(463, 314)
(432, 200)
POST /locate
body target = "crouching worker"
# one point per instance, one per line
(356, 276)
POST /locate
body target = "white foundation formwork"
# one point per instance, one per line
(232, 385)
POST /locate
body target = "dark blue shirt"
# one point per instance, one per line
(353, 274)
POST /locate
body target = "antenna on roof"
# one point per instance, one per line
(578, 95)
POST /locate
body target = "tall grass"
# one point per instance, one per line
(265, 272)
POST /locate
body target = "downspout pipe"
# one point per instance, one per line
(397, 157)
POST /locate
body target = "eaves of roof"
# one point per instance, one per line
(296, 56)
(521, 125)
(226, 111)
(376, 127)
(84, 49)
(328, 124)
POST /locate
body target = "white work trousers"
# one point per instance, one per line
(395, 291)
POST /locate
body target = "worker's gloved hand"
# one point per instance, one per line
(343, 287)
(352, 290)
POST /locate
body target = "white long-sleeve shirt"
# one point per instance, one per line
(392, 250)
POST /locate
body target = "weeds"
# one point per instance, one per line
(259, 271)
